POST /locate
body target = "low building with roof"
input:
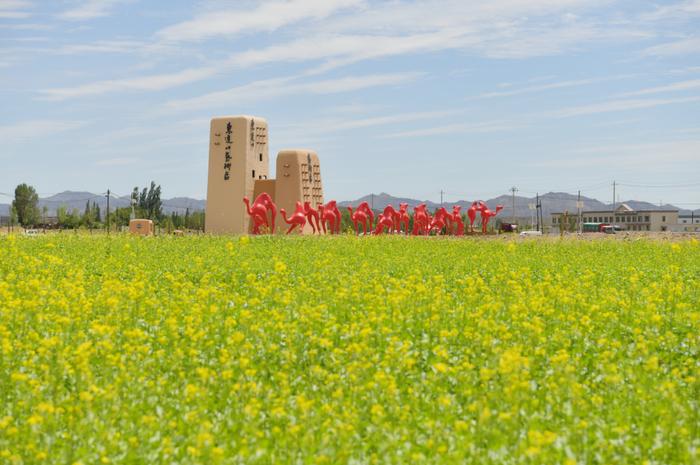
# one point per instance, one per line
(624, 217)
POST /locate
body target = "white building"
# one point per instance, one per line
(689, 223)
(626, 218)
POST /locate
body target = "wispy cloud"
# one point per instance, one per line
(326, 126)
(14, 9)
(272, 88)
(90, 9)
(683, 10)
(458, 128)
(545, 87)
(687, 46)
(618, 105)
(675, 87)
(268, 16)
(25, 130)
(652, 155)
(147, 83)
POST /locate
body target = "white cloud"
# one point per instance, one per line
(619, 105)
(145, 83)
(675, 87)
(271, 88)
(328, 125)
(651, 156)
(687, 46)
(458, 128)
(26, 130)
(268, 16)
(682, 11)
(550, 86)
(90, 9)
(14, 9)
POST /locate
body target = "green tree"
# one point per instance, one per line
(26, 205)
(62, 217)
(148, 203)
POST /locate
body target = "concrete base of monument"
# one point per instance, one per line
(141, 227)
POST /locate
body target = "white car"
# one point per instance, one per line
(530, 233)
(31, 232)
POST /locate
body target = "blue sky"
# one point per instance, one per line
(406, 97)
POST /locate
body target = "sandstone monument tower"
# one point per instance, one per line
(239, 167)
(298, 179)
(238, 156)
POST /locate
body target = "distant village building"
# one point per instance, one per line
(626, 218)
(689, 223)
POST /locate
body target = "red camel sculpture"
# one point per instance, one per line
(258, 213)
(421, 219)
(439, 221)
(265, 199)
(404, 219)
(357, 218)
(311, 216)
(487, 214)
(364, 206)
(330, 215)
(384, 222)
(392, 214)
(298, 218)
(456, 219)
(471, 213)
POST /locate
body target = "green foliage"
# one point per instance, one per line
(26, 205)
(148, 203)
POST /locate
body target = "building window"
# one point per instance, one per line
(261, 157)
(663, 218)
(253, 174)
(646, 218)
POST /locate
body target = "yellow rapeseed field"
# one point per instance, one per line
(340, 350)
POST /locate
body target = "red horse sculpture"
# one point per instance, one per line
(311, 217)
(487, 214)
(421, 219)
(298, 218)
(258, 212)
(359, 217)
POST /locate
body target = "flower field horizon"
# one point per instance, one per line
(313, 350)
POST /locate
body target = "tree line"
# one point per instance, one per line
(145, 204)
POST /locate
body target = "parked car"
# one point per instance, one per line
(530, 233)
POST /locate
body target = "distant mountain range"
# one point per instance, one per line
(551, 202)
(72, 199)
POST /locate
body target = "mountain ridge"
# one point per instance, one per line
(551, 202)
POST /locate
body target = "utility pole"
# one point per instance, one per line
(108, 194)
(579, 207)
(441, 202)
(371, 201)
(613, 208)
(513, 190)
(537, 206)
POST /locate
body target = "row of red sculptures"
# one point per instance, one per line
(326, 218)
